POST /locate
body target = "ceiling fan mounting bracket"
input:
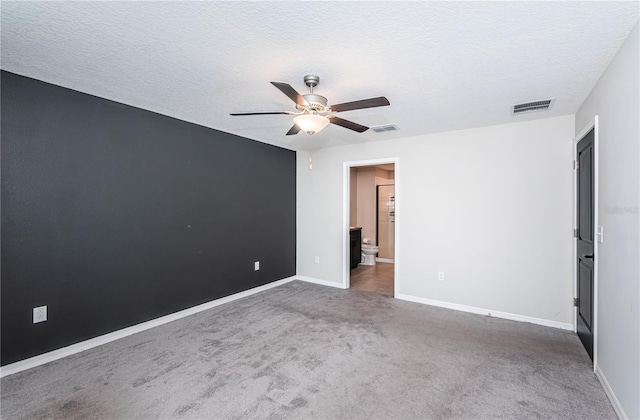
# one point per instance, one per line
(311, 80)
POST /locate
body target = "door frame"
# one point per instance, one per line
(597, 233)
(346, 195)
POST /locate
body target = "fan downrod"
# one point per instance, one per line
(315, 103)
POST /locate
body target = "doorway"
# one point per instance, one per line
(586, 238)
(371, 224)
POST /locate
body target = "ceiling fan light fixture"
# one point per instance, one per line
(312, 108)
(311, 123)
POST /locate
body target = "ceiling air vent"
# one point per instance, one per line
(383, 128)
(532, 106)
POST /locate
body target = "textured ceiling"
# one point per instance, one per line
(443, 66)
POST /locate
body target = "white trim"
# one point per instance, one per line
(41, 359)
(384, 260)
(489, 312)
(320, 281)
(345, 217)
(596, 248)
(594, 124)
(610, 394)
(574, 268)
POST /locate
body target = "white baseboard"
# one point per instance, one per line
(41, 359)
(320, 281)
(384, 260)
(610, 394)
(482, 311)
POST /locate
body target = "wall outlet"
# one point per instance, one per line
(441, 275)
(317, 259)
(256, 265)
(39, 314)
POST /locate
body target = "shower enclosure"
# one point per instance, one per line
(386, 222)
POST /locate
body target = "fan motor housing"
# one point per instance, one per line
(316, 102)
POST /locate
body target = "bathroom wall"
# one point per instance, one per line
(353, 197)
(366, 197)
(385, 232)
(363, 183)
(478, 204)
(384, 177)
(386, 222)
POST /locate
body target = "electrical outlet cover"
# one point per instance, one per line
(39, 314)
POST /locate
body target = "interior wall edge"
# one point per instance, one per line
(610, 394)
(488, 312)
(321, 282)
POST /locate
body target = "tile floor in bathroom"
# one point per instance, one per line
(373, 278)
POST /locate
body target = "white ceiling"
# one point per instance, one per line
(442, 65)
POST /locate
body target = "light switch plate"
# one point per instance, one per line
(600, 234)
(256, 265)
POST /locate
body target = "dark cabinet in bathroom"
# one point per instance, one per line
(355, 236)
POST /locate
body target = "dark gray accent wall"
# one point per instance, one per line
(113, 215)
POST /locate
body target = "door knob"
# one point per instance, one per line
(589, 256)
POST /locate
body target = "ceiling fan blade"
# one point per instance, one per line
(263, 113)
(293, 130)
(364, 103)
(348, 124)
(290, 92)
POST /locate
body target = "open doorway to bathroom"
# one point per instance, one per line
(372, 228)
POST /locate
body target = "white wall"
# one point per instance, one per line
(615, 100)
(491, 207)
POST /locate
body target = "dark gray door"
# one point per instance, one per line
(585, 156)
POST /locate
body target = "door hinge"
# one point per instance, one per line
(576, 301)
(575, 233)
(576, 165)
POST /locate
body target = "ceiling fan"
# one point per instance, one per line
(313, 112)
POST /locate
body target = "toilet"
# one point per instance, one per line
(368, 252)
